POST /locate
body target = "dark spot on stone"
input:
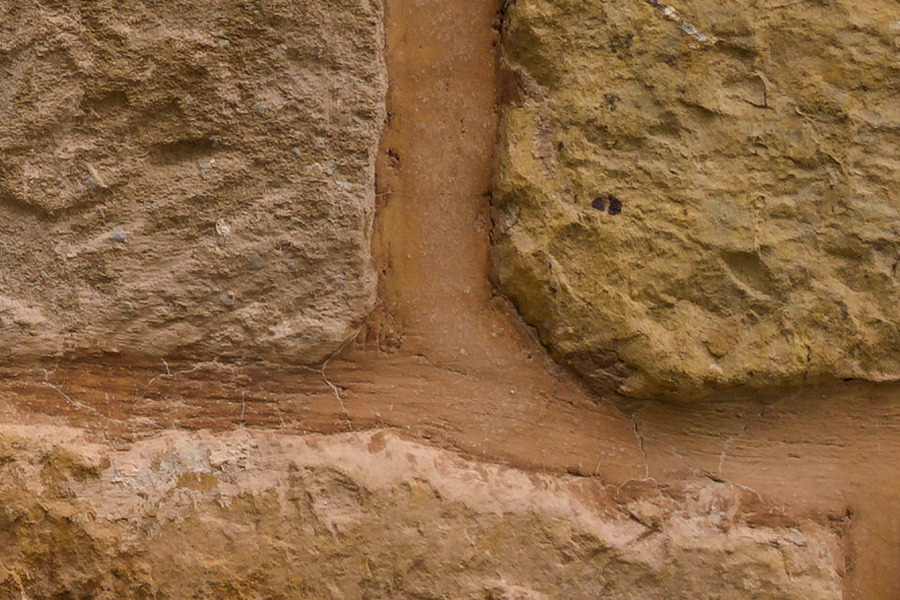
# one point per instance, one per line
(255, 263)
(611, 101)
(609, 203)
(620, 42)
(615, 205)
(226, 298)
(560, 146)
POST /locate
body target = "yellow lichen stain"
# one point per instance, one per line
(201, 482)
(59, 464)
(9, 449)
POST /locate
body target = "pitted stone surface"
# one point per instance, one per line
(187, 178)
(701, 196)
(371, 515)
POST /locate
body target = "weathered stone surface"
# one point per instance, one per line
(187, 177)
(370, 515)
(704, 195)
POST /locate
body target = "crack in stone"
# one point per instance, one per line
(640, 439)
(744, 428)
(433, 363)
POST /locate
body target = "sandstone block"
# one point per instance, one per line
(187, 178)
(370, 515)
(701, 196)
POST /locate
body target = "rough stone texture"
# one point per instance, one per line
(704, 195)
(250, 515)
(191, 178)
